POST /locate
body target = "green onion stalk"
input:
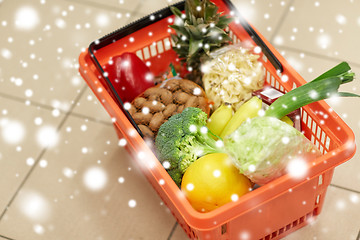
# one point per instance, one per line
(265, 148)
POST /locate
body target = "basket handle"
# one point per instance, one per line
(255, 36)
(159, 15)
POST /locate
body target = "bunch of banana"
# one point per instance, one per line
(222, 122)
(219, 119)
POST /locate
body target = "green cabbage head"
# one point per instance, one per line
(262, 147)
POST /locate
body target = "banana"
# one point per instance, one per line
(287, 120)
(249, 109)
(219, 119)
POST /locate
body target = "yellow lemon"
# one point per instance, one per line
(213, 181)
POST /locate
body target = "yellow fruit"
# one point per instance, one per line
(250, 109)
(287, 120)
(213, 181)
(219, 119)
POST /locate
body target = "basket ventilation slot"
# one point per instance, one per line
(291, 225)
(318, 135)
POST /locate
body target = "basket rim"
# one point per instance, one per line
(205, 221)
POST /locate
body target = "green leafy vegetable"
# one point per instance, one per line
(183, 139)
(262, 147)
(322, 87)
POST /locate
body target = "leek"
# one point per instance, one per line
(322, 87)
(263, 147)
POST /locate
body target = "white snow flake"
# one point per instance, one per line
(39, 229)
(84, 150)
(6, 53)
(75, 81)
(68, 172)
(13, 132)
(47, 136)
(30, 161)
(324, 41)
(121, 179)
(43, 163)
(132, 203)
(56, 112)
(234, 197)
(216, 173)
(33, 206)
(60, 23)
(122, 142)
(341, 19)
(83, 127)
(190, 186)
(26, 18)
(102, 20)
(279, 40)
(297, 168)
(95, 178)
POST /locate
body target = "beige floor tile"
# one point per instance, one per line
(40, 45)
(309, 67)
(90, 189)
(179, 234)
(150, 6)
(122, 5)
(329, 28)
(4, 238)
(24, 132)
(264, 16)
(339, 218)
(340, 206)
(90, 106)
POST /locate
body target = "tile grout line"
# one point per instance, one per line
(47, 107)
(172, 230)
(78, 115)
(32, 103)
(345, 188)
(77, 99)
(7, 237)
(281, 21)
(22, 183)
(67, 114)
(42, 153)
(318, 55)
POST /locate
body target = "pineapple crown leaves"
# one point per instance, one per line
(199, 31)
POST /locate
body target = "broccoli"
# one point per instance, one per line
(183, 139)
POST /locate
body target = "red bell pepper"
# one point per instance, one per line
(129, 75)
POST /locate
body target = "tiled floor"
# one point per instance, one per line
(56, 138)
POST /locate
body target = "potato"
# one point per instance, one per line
(172, 85)
(165, 100)
(139, 102)
(141, 118)
(132, 110)
(156, 121)
(192, 102)
(166, 96)
(180, 108)
(154, 106)
(151, 91)
(191, 88)
(181, 97)
(169, 109)
(146, 131)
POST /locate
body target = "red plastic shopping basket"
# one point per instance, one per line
(269, 212)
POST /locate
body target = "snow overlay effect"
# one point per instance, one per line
(62, 166)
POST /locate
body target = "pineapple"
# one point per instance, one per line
(198, 32)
